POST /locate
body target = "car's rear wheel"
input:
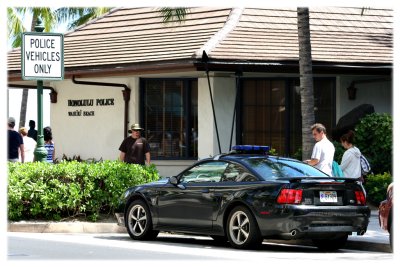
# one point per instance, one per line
(139, 224)
(331, 244)
(242, 229)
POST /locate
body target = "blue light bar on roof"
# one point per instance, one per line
(250, 148)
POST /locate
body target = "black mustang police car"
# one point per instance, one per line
(245, 196)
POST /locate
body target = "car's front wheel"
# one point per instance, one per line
(138, 222)
(242, 229)
(331, 244)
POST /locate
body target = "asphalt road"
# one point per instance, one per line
(167, 248)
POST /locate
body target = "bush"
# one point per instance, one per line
(373, 136)
(39, 190)
(339, 151)
(376, 187)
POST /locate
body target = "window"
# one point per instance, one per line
(263, 116)
(271, 112)
(236, 173)
(205, 172)
(169, 113)
(271, 169)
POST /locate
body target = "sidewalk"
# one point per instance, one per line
(103, 226)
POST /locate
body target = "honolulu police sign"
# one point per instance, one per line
(42, 56)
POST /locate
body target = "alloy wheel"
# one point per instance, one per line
(239, 227)
(137, 220)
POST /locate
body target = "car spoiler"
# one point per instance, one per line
(336, 179)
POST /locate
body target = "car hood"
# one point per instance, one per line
(161, 181)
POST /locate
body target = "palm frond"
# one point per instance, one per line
(174, 14)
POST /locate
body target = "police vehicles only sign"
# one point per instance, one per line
(42, 56)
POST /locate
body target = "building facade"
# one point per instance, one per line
(223, 76)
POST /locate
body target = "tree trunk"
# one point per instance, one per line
(24, 104)
(306, 81)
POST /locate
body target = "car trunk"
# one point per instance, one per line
(330, 192)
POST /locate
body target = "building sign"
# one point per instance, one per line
(42, 56)
(87, 103)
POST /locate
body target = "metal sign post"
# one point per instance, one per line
(42, 58)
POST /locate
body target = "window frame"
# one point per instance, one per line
(187, 106)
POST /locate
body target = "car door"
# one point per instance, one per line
(191, 204)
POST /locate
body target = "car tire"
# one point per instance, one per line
(242, 229)
(331, 244)
(138, 221)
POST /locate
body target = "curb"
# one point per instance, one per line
(65, 227)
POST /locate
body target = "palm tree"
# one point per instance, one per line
(306, 80)
(174, 14)
(51, 18)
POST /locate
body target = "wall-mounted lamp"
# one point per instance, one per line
(351, 91)
(53, 96)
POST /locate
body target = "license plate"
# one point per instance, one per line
(328, 196)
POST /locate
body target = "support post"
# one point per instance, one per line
(40, 151)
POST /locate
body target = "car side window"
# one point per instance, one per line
(236, 173)
(205, 172)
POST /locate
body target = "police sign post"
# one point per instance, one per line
(42, 58)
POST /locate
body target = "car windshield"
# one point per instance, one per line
(274, 168)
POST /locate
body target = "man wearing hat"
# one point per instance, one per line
(15, 143)
(135, 149)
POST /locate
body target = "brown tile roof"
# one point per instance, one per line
(130, 36)
(337, 35)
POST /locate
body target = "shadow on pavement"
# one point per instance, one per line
(268, 245)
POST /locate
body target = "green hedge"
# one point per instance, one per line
(374, 137)
(40, 190)
(376, 186)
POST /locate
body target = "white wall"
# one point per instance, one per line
(97, 136)
(223, 90)
(377, 93)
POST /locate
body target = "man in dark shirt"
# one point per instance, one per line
(15, 143)
(32, 133)
(135, 149)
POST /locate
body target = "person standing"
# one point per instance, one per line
(323, 151)
(15, 143)
(29, 145)
(32, 133)
(49, 144)
(350, 164)
(134, 148)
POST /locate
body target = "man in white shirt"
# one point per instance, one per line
(323, 151)
(29, 145)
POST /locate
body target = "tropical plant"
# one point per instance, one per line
(376, 186)
(306, 80)
(174, 14)
(374, 137)
(39, 190)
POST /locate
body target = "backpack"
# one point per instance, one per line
(336, 170)
(365, 167)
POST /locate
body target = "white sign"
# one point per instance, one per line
(42, 56)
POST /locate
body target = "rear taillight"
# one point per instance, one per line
(360, 197)
(290, 196)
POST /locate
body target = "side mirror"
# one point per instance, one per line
(173, 180)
